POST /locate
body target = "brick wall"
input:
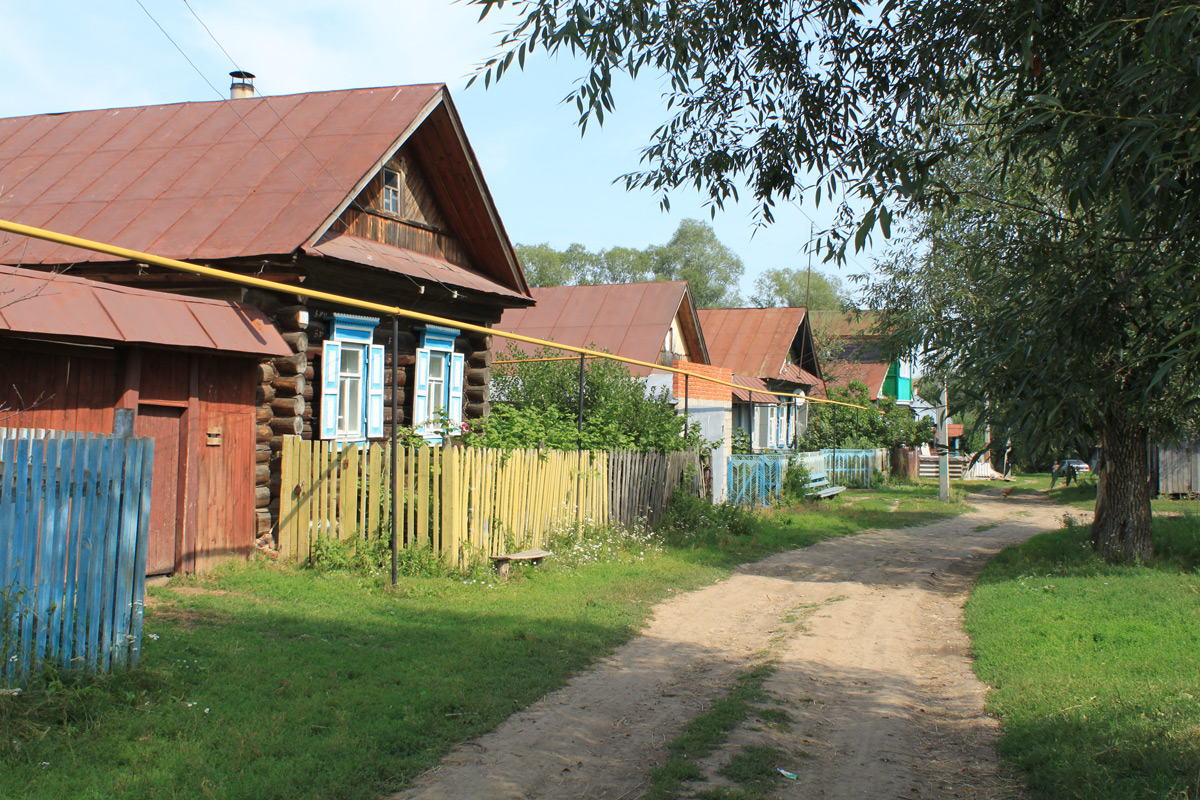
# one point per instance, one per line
(701, 389)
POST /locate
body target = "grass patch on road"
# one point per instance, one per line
(1093, 666)
(265, 681)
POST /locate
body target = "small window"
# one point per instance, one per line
(391, 191)
(350, 403)
(438, 395)
(351, 382)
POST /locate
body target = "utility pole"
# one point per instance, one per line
(943, 449)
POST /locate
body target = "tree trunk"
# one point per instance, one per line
(1121, 527)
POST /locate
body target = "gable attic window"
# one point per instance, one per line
(391, 191)
(352, 381)
(438, 395)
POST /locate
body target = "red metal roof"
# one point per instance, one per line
(797, 374)
(51, 305)
(629, 319)
(870, 373)
(222, 179)
(751, 341)
(407, 262)
(749, 395)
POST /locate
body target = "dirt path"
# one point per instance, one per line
(877, 680)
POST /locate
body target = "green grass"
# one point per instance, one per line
(1093, 666)
(266, 682)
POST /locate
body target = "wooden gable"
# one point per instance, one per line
(414, 220)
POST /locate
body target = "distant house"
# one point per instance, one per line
(655, 322)
(857, 355)
(372, 193)
(768, 350)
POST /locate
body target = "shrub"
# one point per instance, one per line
(689, 519)
(793, 490)
(537, 404)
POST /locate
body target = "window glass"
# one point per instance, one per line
(391, 191)
(350, 391)
(437, 385)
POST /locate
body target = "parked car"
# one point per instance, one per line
(1080, 466)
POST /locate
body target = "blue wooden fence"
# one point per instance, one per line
(74, 523)
(755, 480)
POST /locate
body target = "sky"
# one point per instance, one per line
(549, 183)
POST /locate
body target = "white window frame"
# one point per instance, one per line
(437, 348)
(391, 198)
(365, 420)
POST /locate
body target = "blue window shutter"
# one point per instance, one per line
(375, 392)
(421, 392)
(331, 367)
(454, 402)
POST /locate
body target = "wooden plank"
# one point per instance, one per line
(72, 509)
(421, 482)
(32, 463)
(94, 541)
(451, 535)
(304, 511)
(141, 549)
(47, 578)
(348, 466)
(288, 481)
(61, 481)
(435, 500)
(410, 496)
(8, 508)
(378, 497)
(112, 543)
(126, 559)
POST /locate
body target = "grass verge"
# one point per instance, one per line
(264, 682)
(1093, 666)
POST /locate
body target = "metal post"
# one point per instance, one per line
(579, 455)
(943, 449)
(395, 437)
(579, 439)
(833, 469)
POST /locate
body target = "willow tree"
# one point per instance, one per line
(862, 103)
(1056, 327)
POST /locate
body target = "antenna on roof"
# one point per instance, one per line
(242, 86)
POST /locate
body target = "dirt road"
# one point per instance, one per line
(876, 677)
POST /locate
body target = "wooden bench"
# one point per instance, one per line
(819, 486)
(502, 562)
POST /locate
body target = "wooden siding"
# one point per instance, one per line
(77, 389)
(58, 388)
(419, 225)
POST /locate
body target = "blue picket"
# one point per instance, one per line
(73, 567)
(103, 521)
(75, 501)
(47, 576)
(122, 603)
(27, 569)
(143, 546)
(8, 589)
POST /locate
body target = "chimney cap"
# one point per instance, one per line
(242, 75)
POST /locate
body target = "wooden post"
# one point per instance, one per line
(943, 449)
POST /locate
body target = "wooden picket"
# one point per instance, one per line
(466, 503)
(74, 517)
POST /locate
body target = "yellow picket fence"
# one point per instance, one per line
(463, 503)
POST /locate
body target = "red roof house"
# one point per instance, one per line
(768, 349)
(373, 193)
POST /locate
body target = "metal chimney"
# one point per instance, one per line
(242, 86)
